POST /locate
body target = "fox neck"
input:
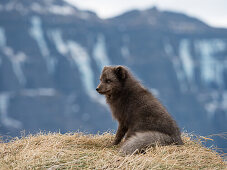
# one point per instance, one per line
(118, 101)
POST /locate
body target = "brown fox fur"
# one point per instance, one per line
(142, 119)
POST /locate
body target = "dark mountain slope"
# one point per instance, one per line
(51, 55)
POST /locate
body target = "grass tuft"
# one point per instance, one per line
(80, 151)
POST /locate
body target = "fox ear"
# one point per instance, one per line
(120, 72)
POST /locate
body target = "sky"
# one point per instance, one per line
(213, 12)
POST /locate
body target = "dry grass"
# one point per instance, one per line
(79, 151)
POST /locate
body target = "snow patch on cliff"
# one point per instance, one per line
(59, 42)
(100, 53)
(186, 59)
(206, 58)
(17, 59)
(61, 10)
(212, 68)
(44, 7)
(215, 101)
(82, 60)
(37, 33)
(177, 65)
(5, 119)
(38, 92)
(125, 52)
(80, 57)
(2, 37)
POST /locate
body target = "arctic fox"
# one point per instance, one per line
(142, 119)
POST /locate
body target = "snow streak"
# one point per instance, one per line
(80, 57)
(99, 52)
(5, 119)
(37, 33)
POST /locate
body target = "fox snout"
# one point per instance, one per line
(98, 88)
(101, 89)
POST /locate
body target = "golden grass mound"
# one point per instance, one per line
(80, 151)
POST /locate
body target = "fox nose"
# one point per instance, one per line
(97, 89)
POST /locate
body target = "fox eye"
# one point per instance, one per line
(108, 81)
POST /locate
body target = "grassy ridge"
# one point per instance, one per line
(79, 151)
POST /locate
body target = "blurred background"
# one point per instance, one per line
(52, 53)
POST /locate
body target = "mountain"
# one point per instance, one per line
(51, 56)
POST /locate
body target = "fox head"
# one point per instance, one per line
(111, 79)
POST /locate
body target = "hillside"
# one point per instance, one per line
(52, 53)
(76, 150)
